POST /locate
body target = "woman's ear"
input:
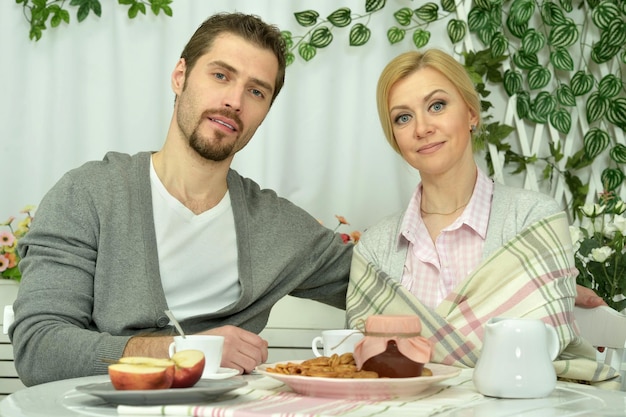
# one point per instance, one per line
(473, 119)
(178, 76)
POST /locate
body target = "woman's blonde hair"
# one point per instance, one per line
(406, 64)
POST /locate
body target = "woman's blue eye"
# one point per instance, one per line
(403, 118)
(438, 106)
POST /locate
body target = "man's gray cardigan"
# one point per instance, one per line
(91, 272)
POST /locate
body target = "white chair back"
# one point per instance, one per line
(7, 318)
(605, 327)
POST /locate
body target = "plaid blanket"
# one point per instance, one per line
(532, 275)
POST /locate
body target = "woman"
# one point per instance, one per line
(466, 249)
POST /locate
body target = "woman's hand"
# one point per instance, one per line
(587, 298)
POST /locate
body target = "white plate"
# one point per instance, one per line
(362, 388)
(201, 392)
(222, 373)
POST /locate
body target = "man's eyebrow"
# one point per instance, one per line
(230, 68)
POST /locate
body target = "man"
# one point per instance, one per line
(119, 241)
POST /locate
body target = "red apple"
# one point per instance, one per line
(189, 367)
(142, 373)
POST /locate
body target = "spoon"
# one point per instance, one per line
(169, 314)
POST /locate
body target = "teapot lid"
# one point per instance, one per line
(403, 330)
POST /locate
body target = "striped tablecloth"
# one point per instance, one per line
(267, 397)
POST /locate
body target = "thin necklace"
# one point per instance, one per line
(446, 214)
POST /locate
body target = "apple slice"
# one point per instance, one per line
(189, 367)
(142, 373)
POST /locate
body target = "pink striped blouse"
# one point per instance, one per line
(433, 269)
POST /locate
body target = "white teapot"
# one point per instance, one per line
(516, 359)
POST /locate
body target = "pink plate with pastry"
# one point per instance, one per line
(361, 388)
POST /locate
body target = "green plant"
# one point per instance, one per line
(39, 12)
(9, 258)
(599, 249)
(550, 57)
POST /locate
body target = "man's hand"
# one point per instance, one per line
(587, 298)
(243, 350)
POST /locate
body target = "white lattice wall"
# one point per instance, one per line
(534, 139)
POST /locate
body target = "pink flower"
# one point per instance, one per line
(6, 238)
(4, 263)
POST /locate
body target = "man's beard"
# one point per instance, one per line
(213, 153)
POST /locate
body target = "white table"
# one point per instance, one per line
(60, 399)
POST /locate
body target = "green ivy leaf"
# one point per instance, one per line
(564, 34)
(421, 38)
(456, 30)
(288, 38)
(567, 5)
(561, 59)
(602, 52)
(576, 162)
(85, 6)
(533, 41)
(488, 32)
(307, 51)
(610, 86)
(615, 34)
(581, 83)
(374, 5)
(135, 9)
(341, 17)
(561, 120)
(403, 16)
(395, 34)
(321, 37)
(523, 104)
(604, 13)
(521, 11)
(597, 106)
(524, 60)
(618, 153)
(359, 34)
(482, 4)
(512, 82)
(157, 5)
(551, 14)
(544, 104)
(499, 45)
(612, 178)
(595, 141)
(477, 19)
(617, 112)
(427, 12)
(289, 58)
(565, 96)
(60, 16)
(516, 29)
(306, 18)
(448, 6)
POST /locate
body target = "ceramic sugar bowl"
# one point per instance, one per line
(516, 359)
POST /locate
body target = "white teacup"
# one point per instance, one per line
(210, 345)
(336, 341)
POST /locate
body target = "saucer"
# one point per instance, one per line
(222, 373)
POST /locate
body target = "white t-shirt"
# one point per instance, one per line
(197, 253)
